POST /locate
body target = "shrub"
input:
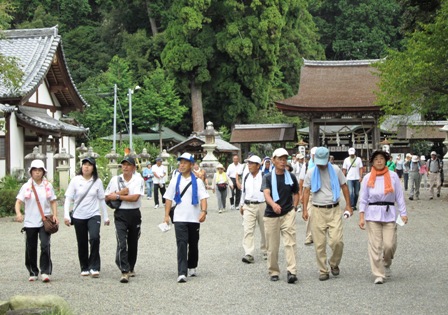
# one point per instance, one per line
(7, 202)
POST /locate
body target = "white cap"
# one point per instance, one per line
(37, 164)
(280, 152)
(351, 151)
(313, 150)
(433, 153)
(422, 158)
(186, 156)
(254, 159)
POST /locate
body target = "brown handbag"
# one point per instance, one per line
(50, 226)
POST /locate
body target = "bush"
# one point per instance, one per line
(7, 202)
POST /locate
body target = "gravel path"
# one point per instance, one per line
(225, 285)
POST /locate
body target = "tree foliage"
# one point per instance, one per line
(416, 79)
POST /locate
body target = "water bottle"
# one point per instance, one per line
(346, 214)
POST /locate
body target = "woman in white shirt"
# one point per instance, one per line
(33, 224)
(87, 192)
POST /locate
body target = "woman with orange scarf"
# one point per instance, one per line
(381, 200)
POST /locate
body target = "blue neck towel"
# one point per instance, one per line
(316, 182)
(194, 185)
(288, 181)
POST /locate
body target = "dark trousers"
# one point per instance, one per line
(45, 263)
(84, 229)
(187, 239)
(406, 180)
(236, 194)
(156, 193)
(127, 225)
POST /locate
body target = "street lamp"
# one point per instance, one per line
(130, 92)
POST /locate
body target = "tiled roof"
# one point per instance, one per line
(260, 133)
(38, 118)
(197, 140)
(167, 135)
(334, 86)
(36, 51)
(6, 108)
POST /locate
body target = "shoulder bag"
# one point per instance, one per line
(174, 207)
(115, 204)
(49, 225)
(82, 198)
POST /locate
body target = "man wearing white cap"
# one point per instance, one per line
(414, 177)
(281, 192)
(252, 207)
(352, 169)
(299, 164)
(325, 182)
(434, 167)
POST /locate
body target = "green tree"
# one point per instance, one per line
(415, 80)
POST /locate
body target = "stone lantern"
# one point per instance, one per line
(385, 145)
(144, 157)
(210, 161)
(302, 147)
(113, 162)
(445, 157)
(89, 153)
(63, 167)
(165, 156)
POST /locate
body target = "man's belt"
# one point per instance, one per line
(334, 205)
(249, 202)
(382, 203)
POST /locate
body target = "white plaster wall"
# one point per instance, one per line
(17, 140)
(2, 168)
(44, 96)
(69, 144)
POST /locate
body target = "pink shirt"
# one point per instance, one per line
(376, 194)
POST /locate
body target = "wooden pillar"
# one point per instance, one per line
(376, 136)
(313, 134)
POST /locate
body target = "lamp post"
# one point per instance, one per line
(130, 92)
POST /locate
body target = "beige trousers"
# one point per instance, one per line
(252, 215)
(434, 182)
(382, 245)
(286, 227)
(308, 236)
(327, 221)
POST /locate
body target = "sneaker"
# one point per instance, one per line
(292, 278)
(378, 280)
(220, 211)
(308, 242)
(32, 278)
(248, 259)
(438, 195)
(45, 277)
(274, 278)
(431, 198)
(156, 206)
(181, 279)
(85, 273)
(148, 198)
(124, 277)
(324, 276)
(232, 207)
(237, 208)
(335, 271)
(388, 272)
(132, 273)
(192, 272)
(411, 198)
(94, 273)
(265, 256)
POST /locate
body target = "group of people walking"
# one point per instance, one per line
(270, 200)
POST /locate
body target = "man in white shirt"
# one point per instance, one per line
(233, 170)
(128, 218)
(189, 196)
(299, 164)
(252, 207)
(159, 181)
(353, 169)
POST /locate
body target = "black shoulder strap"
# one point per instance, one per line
(185, 189)
(83, 196)
(244, 182)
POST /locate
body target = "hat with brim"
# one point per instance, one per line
(423, 158)
(254, 159)
(321, 156)
(385, 154)
(37, 164)
(128, 159)
(280, 152)
(219, 166)
(351, 151)
(89, 159)
(187, 157)
(299, 156)
(433, 153)
(415, 158)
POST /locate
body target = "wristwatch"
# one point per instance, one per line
(204, 211)
(118, 197)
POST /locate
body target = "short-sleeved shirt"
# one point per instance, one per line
(161, 172)
(251, 188)
(186, 211)
(234, 170)
(136, 186)
(90, 205)
(352, 166)
(33, 217)
(285, 192)
(324, 196)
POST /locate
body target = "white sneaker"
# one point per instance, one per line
(32, 278)
(156, 206)
(378, 280)
(192, 272)
(45, 277)
(388, 272)
(220, 211)
(148, 198)
(181, 279)
(94, 273)
(85, 273)
(237, 208)
(232, 207)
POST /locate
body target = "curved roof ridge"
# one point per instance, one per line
(340, 63)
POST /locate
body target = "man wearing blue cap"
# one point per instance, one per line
(189, 196)
(128, 187)
(325, 182)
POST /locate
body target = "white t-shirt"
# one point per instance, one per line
(92, 202)
(353, 171)
(136, 186)
(161, 172)
(33, 218)
(251, 188)
(233, 170)
(185, 211)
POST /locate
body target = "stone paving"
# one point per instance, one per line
(225, 285)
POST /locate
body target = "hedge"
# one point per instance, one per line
(7, 202)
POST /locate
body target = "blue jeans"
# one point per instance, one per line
(353, 188)
(149, 186)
